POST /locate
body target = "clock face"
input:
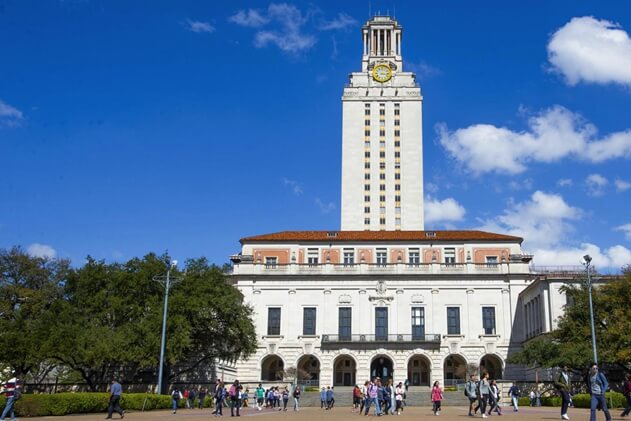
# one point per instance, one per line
(381, 73)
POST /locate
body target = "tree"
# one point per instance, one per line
(29, 288)
(571, 343)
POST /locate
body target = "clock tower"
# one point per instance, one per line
(382, 140)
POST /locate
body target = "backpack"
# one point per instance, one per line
(233, 391)
(17, 393)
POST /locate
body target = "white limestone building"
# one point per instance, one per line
(382, 296)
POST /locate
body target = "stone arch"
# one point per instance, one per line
(492, 364)
(344, 370)
(382, 365)
(419, 370)
(309, 365)
(272, 368)
(454, 369)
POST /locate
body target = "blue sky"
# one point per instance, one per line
(131, 126)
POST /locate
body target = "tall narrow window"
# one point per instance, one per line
(418, 323)
(381, 323)
(450, 256)
(414, 256)
(453, 320)
(312, 256)
(273, 321)
(488, 320)
(382, 257)
(344, 323)
(309, 321)
(270, 262)
(349, 256)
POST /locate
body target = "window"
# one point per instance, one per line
(309, 321)
(397, 143)
(397, 221)
(397, 176)
(382, 221)
(367, 111)
(367, 143)
(397, 111)
(382, 154)
(397, 165)
(344, 323)
(453, 320)
(397, 210)
(382, 112)
(382, 210)
(367, 154)
(397, 198)
(312, 256)
(366, 198)
(414, 256)
(382, 122)
(397, 154)
(450, 256)
(382, 187)
(366, 132)
(491, 260)
(418, 323)
(367, 122)
(382, 165)
(381, 323)
(367, 176)
(382, 132)
(397, 132)
(382, 198)
(367, 165)
(488, 320)
(270, 262)
(382, 257)
(273, 321)
(367, 187)
(382, 143)
(397, 122)
(366, 221)
(366, 209)
(349, 256)
(397, 187)
(382, 176)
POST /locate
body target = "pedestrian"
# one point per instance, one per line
(514, 393)
(220, 397)
(185, 395)
(407, 384)
(12, 391)
(437, 397)
(260, 397)
(398, 397)
(562, 384)
(116, 390)
(330, 398)
(389, 396)
(495, 398)
(285, 397)
(202, 395)
(364, 391)
(191, 398)
(357, 393)
(323, 398)
(597, 385)
(485, 391)
(235, 398)
(626, 391)
(297, 393)
(372, 397)
(471, 392)
(176, 395)
(533, 398)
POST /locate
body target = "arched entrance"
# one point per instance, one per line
(272, 368)
(344, 371)
(382, 367)
(455, 369)
(419, 370)
(309, 370)
(491, 364)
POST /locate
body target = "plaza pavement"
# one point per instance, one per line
(338, 414)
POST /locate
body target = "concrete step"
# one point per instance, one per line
(414, 397)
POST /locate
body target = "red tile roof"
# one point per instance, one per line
(378, 236)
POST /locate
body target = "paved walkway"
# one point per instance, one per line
(339, 414)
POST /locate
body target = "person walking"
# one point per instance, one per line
(471, 392)
(495, 398)
(562, 383)
(235, 397)
(12, 391)
(514, 393)
(260, 397)
(398, 397)
(485, 391)
(533, 398)
(437, 397)
(364, 395)
(323, 398)
(626, 391)
(116, 390)
(372, 397)
(597, 385)
(220, 397)
(330, 398)
(191, 398)
(176, 395)
(285, 395)
(296, 394)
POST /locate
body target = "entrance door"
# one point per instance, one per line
(382, 367)
(347, 379)
(381, 323)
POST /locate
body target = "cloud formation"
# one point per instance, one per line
(622, 185)
(199, 27)
(554, 134)
(41, 250)
(324, 207)
(626, 228)
(251, 18)
(590, 50)
(443, 210)
(342, 21)
(9, 116)
(295, 186)
(596, 185)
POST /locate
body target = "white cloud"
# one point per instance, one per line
(41, 250)
(626, 228)
(622, 185)
(342, 21)
(431, 187)
(325, 207)
(525, 184)
(295, 186)
(422, 69)
(199, 27)
(288, 34)
(252, 18)
(590, 50)
(9, 116)
(552, 135)
(542, 221)
(565, 182)
(443, 210)
(596, 184)
(613, 257)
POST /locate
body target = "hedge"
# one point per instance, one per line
(582, 400)
(41, 405)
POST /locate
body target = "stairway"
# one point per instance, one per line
(416, 396)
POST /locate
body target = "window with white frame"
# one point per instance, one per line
(312, 256)
(349, 256)
(382, 257)
(414, 256)
(491, 260)
(450, 256)
(488, 320)
(271, 261)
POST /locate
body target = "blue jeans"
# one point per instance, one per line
(369, 401)
(8, 409)
(174, 404)
(628, 408)
(595, 400)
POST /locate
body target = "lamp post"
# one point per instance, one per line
(588, 261)
(167, 285)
